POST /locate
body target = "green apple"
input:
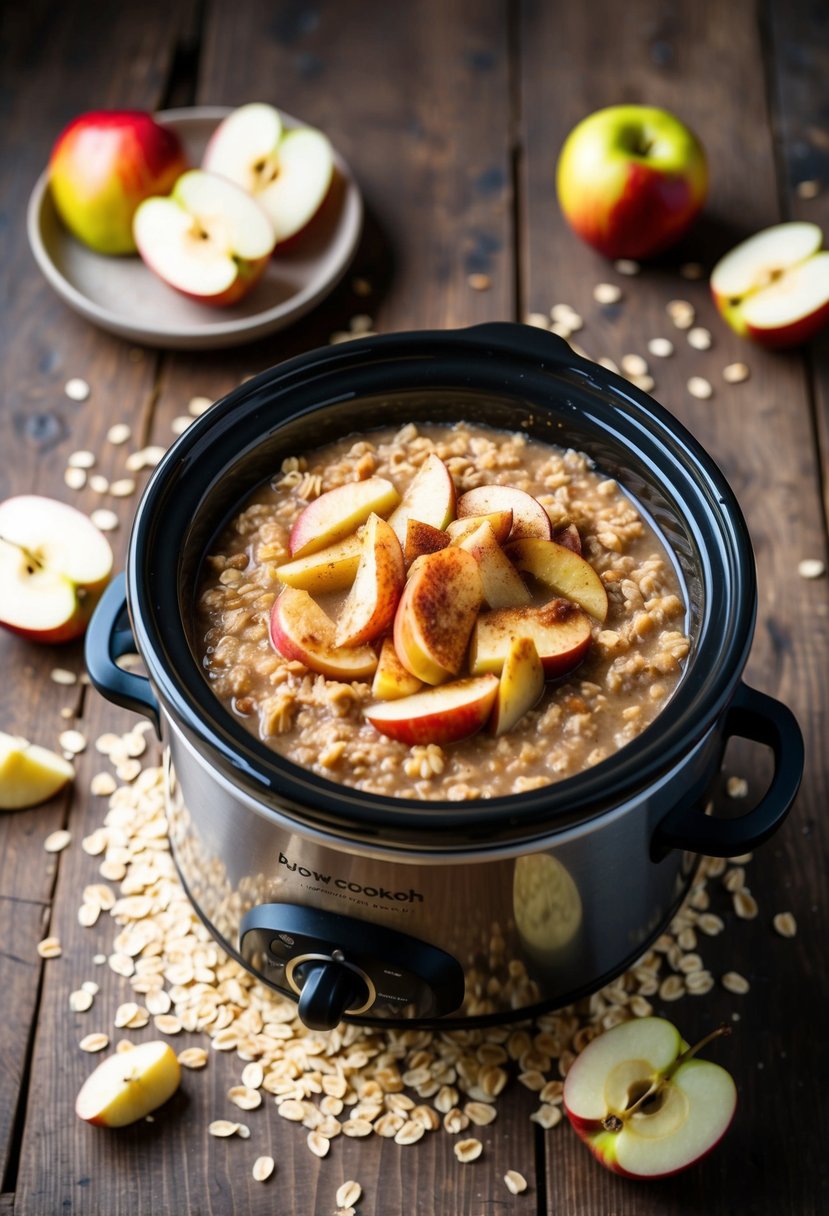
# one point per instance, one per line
(631, 180)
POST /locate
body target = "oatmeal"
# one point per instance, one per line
(608, 679)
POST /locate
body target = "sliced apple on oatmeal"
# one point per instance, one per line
(561, 571)
(436, 613)
(340, 511)
(429, 497)
(568, 536)
(559, 630)
(370, 605)
(391, 679)
(333, 568)
(422, 539)
(300, 630)
(437, 715)
(528, 516)
(502, 585)
(520, 686)
(499, 521)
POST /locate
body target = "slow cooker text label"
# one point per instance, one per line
(411, 896)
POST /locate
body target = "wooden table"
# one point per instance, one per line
(451, 116)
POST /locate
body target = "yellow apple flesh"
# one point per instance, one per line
(331, 569)
(337, 513)
(520, 686)
(129, 1085)
(391, 679)
(29, 774)
(370, 605)
(429, 497)
(436, 613)
(561, 571)
(301, 631)
(502, 585)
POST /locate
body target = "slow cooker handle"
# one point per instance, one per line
(108, 637)
(752, 715)
(529, 340)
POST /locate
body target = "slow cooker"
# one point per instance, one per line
(385, 910)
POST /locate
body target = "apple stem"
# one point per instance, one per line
(34, 562)
(718, 1031)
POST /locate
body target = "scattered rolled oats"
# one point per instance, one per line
(80, 1000)
(745, 905)
(480, 1113)
(734, 982)
(662, 348)
(88, 914)
(263, 1167)
(547, 1116)
(94, 1042)
(223, 1128)
(699, 387)
(699, 338)
(808, 189)
(478, 282)
(197, 406)
(626, 266)
(50, 947)
(122, 488)
(633, 365)
(77, 389)
(193, 1057)
(537, 319)
(81, 459)
(72, 741)
(411, 1131)
(515, 1183)
(348, 1194)
(681, 313)
(56, 842)
(102, 785)
(75, 479)
(468, 1150)
(241, 1096)
(607, 293)
(104, 519)
(98, 483)
(811, 567)
(318, 1144)
(672, 988)
(785, 924)
(734, 373)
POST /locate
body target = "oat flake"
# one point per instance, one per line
(104, 519)
(77, 389)
(515, 1183)
(263, 1167)
(56, 842)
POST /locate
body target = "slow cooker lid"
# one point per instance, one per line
(508, 376)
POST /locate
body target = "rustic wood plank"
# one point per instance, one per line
(704, 61)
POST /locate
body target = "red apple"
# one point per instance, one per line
(436, 613)
(528, 516)
(502, 585)
(338, 512)
(559, 630)
(370, 605)
(429, 497)
(774, 287)
(208, 239)
(103, 165)
(520, 686)
(288, 172)
(391, 679)
(643, 1104)
(561, 571)
(437, 715)
(300, 630)
(631, 180)
(54, 566)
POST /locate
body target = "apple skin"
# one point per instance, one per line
(300, 630)
(103, 165)
(430, 497)
(372, 601)
(437, 715)
(436, 614)
(631, 180)
(338, 512)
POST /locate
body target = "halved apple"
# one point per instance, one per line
(774, 287)
(300, 630)
(129, 1085)
(437, 715)
(528, 516)
(430, 497)
(436, 613)
(54, 566)
(520, 686)
(288, 172)
(340, 511)
(422, 539)
(331, 569)
(29, 774)
(559, 630)
(502, 585)
(370, 605)
(562, 571)
(391, 679)
(499, 521)
(208, 239)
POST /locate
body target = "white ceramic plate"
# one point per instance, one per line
(121, 295)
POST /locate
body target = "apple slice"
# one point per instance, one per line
(29, 774)
(208, 239)
(370, 605)
(502, 585)
(301, 630)
(437, 715)
(340, 511)
(288, 172)
(643, 1104)
(54, 566)
(520, 686)
(422, 539)
(559, 630)
(429, 497)
(331, 569)
(793, 308)
(561, 571)
(391, 679)
(528, 516)
(129, 1085)
(499, 521)
(436, 613)
(568, 536)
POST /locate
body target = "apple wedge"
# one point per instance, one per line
(437, 715)
(300, 630)
(54, 566)
(502, 585)
(208, 239)
(642, 1102)
(29, 774)
(559, 630)
(129, 1085)
(436, 613)
(561, 571)
(335, 514)
(371, 603)
(422, 539)
(391, 679)
(429, 497)
(331, 569)
(568, 537)
(499, 521)
(520, 686)
(288, 172)
(528, 516)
